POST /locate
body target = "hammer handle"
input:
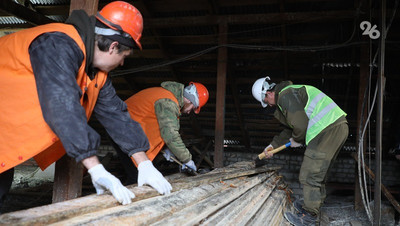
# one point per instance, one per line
(262, 155)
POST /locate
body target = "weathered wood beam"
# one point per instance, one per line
(212, 40)
(239, 211)
(24, 13)
(179, 5)
(90, 6)
(195, 213)
(268, 18)
(92, 203)
(67, 179)
(69, 173)
(362, 108)
(276, 205)
(150, 211)
(220, 97)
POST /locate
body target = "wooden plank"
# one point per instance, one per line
(195, 213)
(92, 203)
(242, 209)
(271, 212)
(151, 210)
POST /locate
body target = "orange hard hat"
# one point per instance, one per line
(122, 16)
(202, 93)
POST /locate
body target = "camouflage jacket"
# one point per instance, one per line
(168, 114)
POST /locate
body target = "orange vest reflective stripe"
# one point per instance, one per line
(141, 109)
(23, 132)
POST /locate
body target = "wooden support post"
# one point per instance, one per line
(68, 173)
(362, 107)
(90, 6)
(220, 98)
(379, 118)
(67, 179)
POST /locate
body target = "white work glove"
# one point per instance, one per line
(190, 164)
(267, 151)
(149, 175)
(168, 154)
(103, 180)
(294, 144)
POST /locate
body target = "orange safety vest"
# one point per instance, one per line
(23, 132)
(141, 109)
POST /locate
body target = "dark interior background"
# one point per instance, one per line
(314, 42)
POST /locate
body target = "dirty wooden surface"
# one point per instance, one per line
(237, 194)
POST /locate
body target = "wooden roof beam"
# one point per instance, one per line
(268, 18)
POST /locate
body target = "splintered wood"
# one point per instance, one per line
(239, 194)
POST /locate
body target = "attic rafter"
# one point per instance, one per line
(24, 13)
(145, 9)
(284, 41)
(167, 55)
(267, 18)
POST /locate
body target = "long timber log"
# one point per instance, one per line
(276, 205)
(151, 210)
(197, 212)
(242, 209)
(208, 192)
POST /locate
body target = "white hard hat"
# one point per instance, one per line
(260, 88)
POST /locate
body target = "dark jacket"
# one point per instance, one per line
(293, 116)
(65, 115)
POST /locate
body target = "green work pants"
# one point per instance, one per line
(319, 156)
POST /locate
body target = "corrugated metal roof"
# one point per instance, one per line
(11, 20)
(49, 2)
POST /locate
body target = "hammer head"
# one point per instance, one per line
(260, 162)
(189, 171)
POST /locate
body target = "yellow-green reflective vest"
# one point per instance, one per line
(320, 110)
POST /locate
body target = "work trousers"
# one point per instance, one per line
(318, 158)
(130, 168)
(6, 179)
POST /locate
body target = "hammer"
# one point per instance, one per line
(187, 169)
(258, 161)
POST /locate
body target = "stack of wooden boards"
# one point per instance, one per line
(239, 194)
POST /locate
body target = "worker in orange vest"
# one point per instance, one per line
(158, 109)
(53, 77)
